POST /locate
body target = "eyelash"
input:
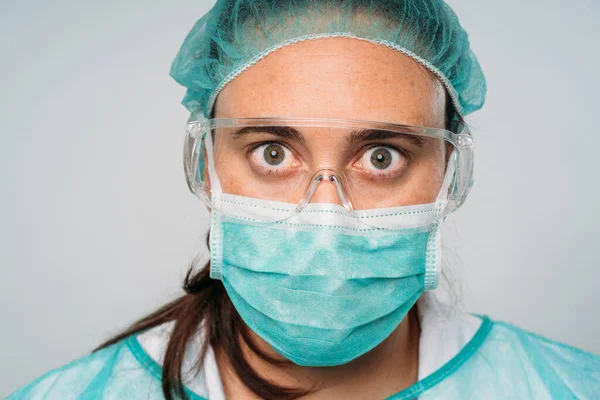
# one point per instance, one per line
(255, 146)
(389, 146)
(382, 175)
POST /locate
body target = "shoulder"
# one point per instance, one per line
(110, 373)
(521, 357)
(533, 344)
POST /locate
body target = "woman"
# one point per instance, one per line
(327, 139)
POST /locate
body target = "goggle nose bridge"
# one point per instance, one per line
(329, 175)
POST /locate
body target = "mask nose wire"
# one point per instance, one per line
(329, 175)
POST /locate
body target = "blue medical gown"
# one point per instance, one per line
(501, 361)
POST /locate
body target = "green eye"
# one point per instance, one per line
(381, 158)
(274, 154)
(382, 161)
(273, 159)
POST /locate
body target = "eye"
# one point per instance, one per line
(273, 158)
(382, 160)
(274, 154)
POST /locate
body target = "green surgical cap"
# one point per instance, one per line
(235, 34)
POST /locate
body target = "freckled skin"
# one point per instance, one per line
(353, 79)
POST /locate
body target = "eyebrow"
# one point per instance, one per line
(363, 135)
(281, 131)
(360, 135)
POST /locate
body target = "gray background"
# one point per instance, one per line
(97, 225)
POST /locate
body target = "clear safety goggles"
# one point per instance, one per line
(360, 165)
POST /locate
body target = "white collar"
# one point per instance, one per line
(445, 331)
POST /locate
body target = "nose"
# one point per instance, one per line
(327, 186)
(326, 192)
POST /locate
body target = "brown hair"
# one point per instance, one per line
(207, 302)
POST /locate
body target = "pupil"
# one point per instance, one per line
(274, 154)
(381, 158)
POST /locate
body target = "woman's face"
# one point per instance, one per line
(333, 78)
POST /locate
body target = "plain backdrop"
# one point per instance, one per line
(97, 226)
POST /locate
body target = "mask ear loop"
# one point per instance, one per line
(433, 256)
(216, 246)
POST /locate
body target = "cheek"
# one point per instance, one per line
(423, 183)
(231, 176)
(429, 178)
(237, 178)
(227, 169)
(231, 169)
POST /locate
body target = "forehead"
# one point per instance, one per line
(336, 78)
